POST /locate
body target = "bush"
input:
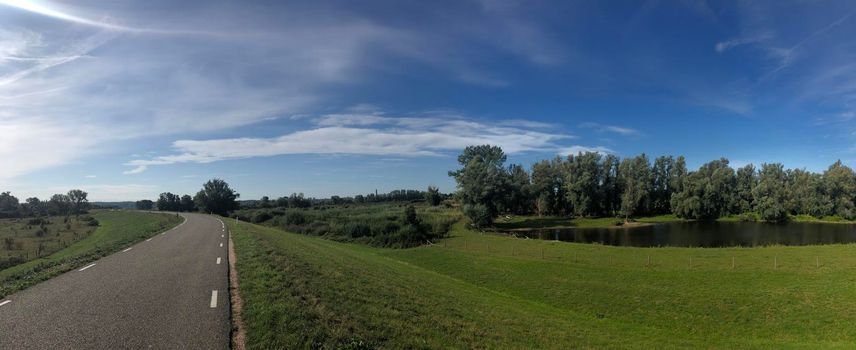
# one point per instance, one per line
(478, 214)
(261, 216)
(295, 218)
(356, 230)
(38, 221)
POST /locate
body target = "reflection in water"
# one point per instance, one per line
(704, 234)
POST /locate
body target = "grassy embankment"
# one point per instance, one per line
(117, 230)
(486, 291)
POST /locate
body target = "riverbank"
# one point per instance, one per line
(529, 222)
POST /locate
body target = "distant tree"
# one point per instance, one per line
(265, 202)
(187, 203)
(661, 184)
(216, 197)
(747, 179)
(36, 207)
(482, 181)
(432, 195)
(636, 180)
(60, 204)
(610, 186)
(840, 184)
(79, 202)
(582, 177)
(706, 194)
(145, 204)
(769, 196)
(677, 175)
(547, 187)
(8, 205)
(519, 198)
(806, 194)
(168, 201)
(297, 200)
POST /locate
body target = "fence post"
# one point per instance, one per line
(648, 262)
(775, 262)
(691, 262)
(817, 261)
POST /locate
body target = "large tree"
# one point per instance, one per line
(582, 183)
(168, 201)
(482, 180)
(706, 194)
(216, 197)
(79, 202)
(840, 184)
(519, 199)
(770, 194)
(188, 205)
(636, 180)
(547, 187)
(60, 204)
(145, 204)
(746, 180)
(8, 205)
(661, 184)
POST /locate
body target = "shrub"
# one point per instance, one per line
(478, 214)
(356, 230)
(295, 218)
(38, 221)
(261, 216)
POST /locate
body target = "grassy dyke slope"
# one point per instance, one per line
(117, 230)
(483, 291)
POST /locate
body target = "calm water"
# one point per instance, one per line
(704, 234)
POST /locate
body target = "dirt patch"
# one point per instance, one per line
(239, 334)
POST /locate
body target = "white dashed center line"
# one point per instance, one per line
(221, 244)
(213, 299)
(86, 267)
(5, 302)
(218, 261)
(127, 250)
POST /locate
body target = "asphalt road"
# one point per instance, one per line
(159, 294)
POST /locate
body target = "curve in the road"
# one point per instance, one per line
(165, 292)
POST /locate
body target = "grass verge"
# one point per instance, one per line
(117, 230)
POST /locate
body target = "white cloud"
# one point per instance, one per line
(91, 176)
(610, 128)
(366, 135)
(723, 46)
(576, 149)
(136, 170)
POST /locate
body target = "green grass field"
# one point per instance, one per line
(486, 291)
(117, 230)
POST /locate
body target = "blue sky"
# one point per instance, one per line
(127, 99)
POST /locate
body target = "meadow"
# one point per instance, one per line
(23, 239)
(478, 290)
(71, 244)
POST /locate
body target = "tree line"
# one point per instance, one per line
(74, 202)
(298, 200)
(215, 197)
(591, 185)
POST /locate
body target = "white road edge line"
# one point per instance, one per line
(126, 250)
(86, 267)
(213, 299)
(218, 261)
(5, 302)
(148, 239)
